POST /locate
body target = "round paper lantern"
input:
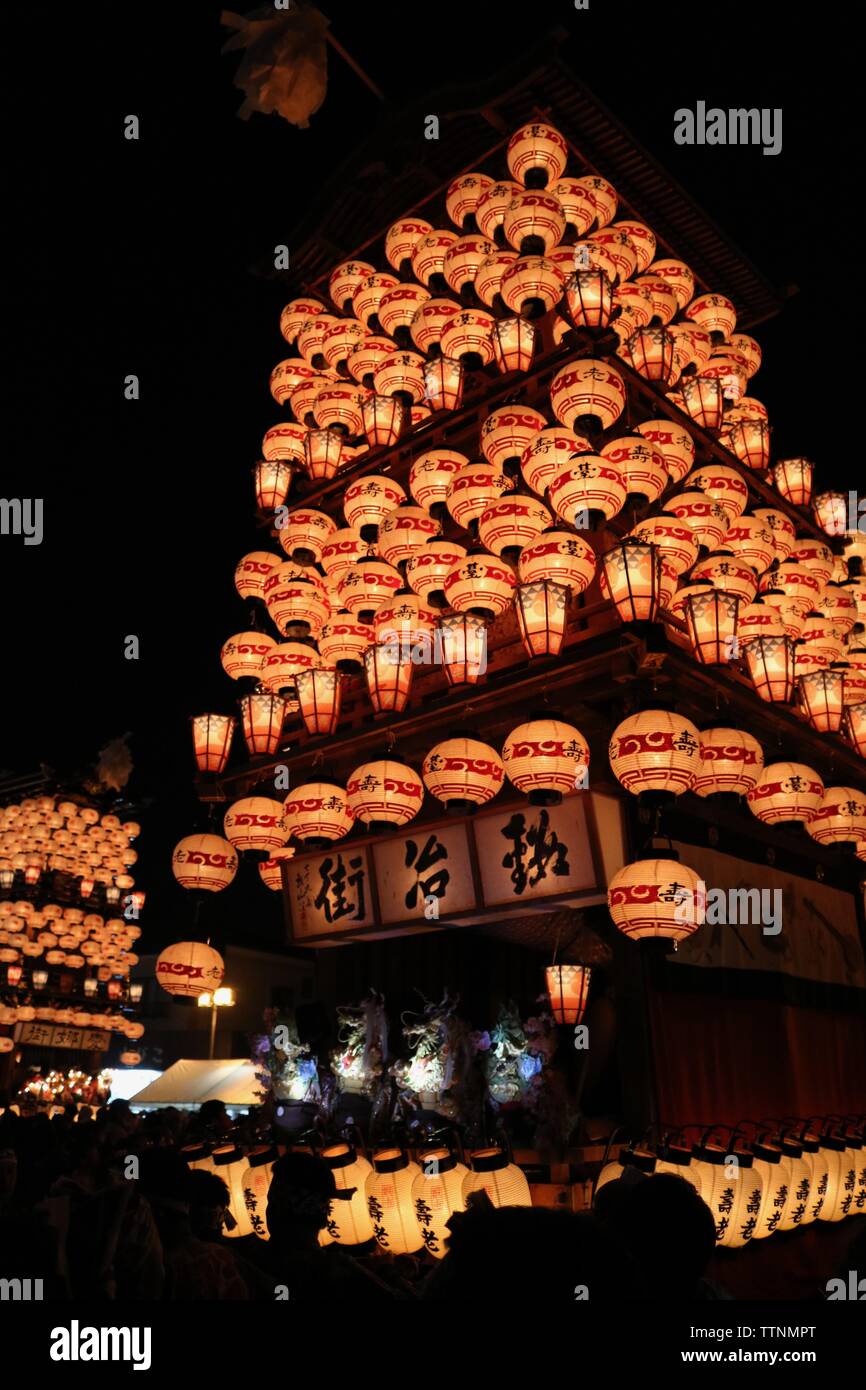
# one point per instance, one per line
(284, 661)
(463, 196)
(398, 305)
(821, 695)
(429, 321)
(343, 550)
(428, 569)
(630, 578)
(507, 433)
(504, 1183)
(242, 655)
(305, 535)
(402, 375)
(795, 581)
(714, 313)
(774, 1168)
(390, 1202)
(288, 375)
(344, 281)
(587, 255)
(369, 295)
(568, 991)
(840, 817)
(839, 607)
(793, 479)
(368, 500)
(401, 239)
(706, 519)
(536, 155)
(664, 301)
(349, 1221)
(512, 523)
(655, 751)
(366, 587)
(640, 1159)
(385, 792)
(559, 557)
(270, 870)
(367, 356)
(656, 897)
(678, 277)
(432, 473)
(463, 647)
(472, 490)
(205, 862)
(296, 598)
(340, 341)
(481, 583)
(546, 755)
(437, 1192)
(541, 610)
(263, 715)
(317, 811)
(404, 532)
(534, 222)
(255, 823)
(252, 571)
(578, 208)
(603, 197)
(404, 620)
(319, 697)
(780, 528)
(641, 464)
(491, 273)
(730, 761)
(589, 483)
(587, 391)
(492, 206)
(428, 258)
(388, 667)
(462, 260)
(786, 792)
(693, 347)
(211, 739)
(463, 773)
(636, 304)
(295, 315)
(676, 447)
(728, 574)
(189, 968)
(672, 538)
(466, 337)
(513, 342)
(530, 285)
(337, 407)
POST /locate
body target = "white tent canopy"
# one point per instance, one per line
(190, 1082)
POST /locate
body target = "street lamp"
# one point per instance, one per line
(222, 998)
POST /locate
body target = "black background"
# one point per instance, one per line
(139, 257)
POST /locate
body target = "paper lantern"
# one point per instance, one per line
(786, 792)
(491, 274)
(304, 535)
(821, 697)
(655, 751)
(546, 755)
(589, 483)
(635, 303)
(793, 479)
(242, 655)
(630, 579)
(533, 222)
(656, 897)
(383, 419)
(671, 537)
(641, 464)
(437, 1192)
(841, 1179)
(289, 374)
(295, 315)
(506, 434)
(730, 761)
(664, 301)
(251, 572)
(405, 620)
(482, 584)
(463, 646)
(262, 717)
(390, 1203)
(324, 453)
(402, 375)
(349, 1221)
(513, 342)
(211, 738)
(840, 817)
(317, 811)
(311, 338)
(404, 532)
(795, 581)
(676, 447)
(388, 792)
(492, 206)
(189, 968)
(284, 661)
(401, 239)
(780, 528)
(443, 383)
(255, 823)
(650, 351)
(296, 599)
(365, 587)
(587, 391)
(541, 610)
(467, 337)
(602, 195)
(728, 574)
(839, 607)
(559, 557)
(528, 285)
(205, 862)
(270, 870)
(735, 1201)
(432, 473)
(428, 569)
(714, 313)
(548, 452)
(568, 991)
(536, 155)
(463, 773)
(816, 556)
(398, 305)
(388, 667)
(462, 260)
(319, 697)
(589, 295)
(367, 356)
(491, 1172)
(340, 341)
(773, 1166)
(711, 620)
(368, 500)
(510, 524)
(707, 520)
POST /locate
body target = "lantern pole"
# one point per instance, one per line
(213, 1021)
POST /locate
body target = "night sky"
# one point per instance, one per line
(139, 257)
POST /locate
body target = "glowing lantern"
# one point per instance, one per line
(284, 661)
(602, 195)
(189, 968)
(272, 481)
(729, 574)
(428, 569)
(672, 538)
(317, 811)
(568, 991)
(831, 512)
(504, 1183)
(655, 751)
(533, 223)
(443, 383)
(730, 761)
(664, 301)
(650, 351)
(735, 1201)
(287, 376)
(304, 535)
(251, 572)
(472, 490)
(589, 483)
(406, 621)
(796, 581)
(367, 356)
(463, 643)
(675, 445)
(541, 615)
(656, 897)
(366, 587)
(506, 434)
(324, 452)
(513, 344)
(707, 519)
(349, 1220)
(840, 817)
(536, 155)
(481, 584)
(750, 441)
(508, 525)
(821, 698)
(490, 276)
(211, 739)
(369, 295)
(388, 667)
(711, 618)
(338, 407)
(587, 391)
(295, 315)
(296, 599)
(255, 823)
(401, 239)
(702, 398)
(311, 338)
(432, 473)
(402, 375)
(641, 464)
(429, 321)
(383, 419)
(793, 479)
(816, 557)
(636, 305)
(437, 1193)
(786, 792)
(560, 558)
(770, 662)
(319, 696)
(492, 206)
(385, 792)
(404, 532)
(630, 576)
(368, 500)
(270, 870)
(839, 607)
(263, 716)
(467, 337)
(590, 298)
(343, 550)
(390, 1202)
(204, 862)
(546, 756)
(463, 773)
(462, 260)
(398, 305)
(428, 258)
(549, 451)
(714, 313)
(780, 528)
(340, 342)
(242, 655)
